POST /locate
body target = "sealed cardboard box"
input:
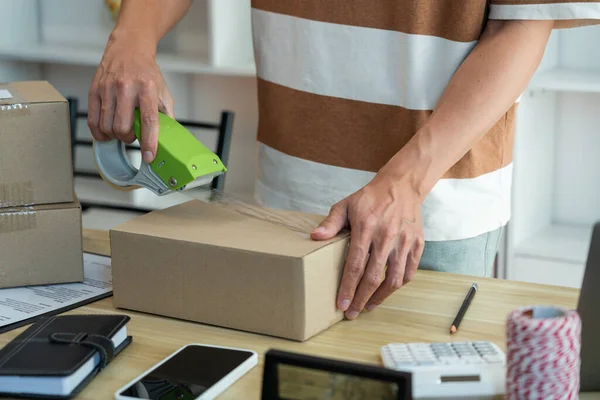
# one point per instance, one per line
(35, 145)
(211, 264)
(41, 245)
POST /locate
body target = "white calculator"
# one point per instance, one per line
(450, 370)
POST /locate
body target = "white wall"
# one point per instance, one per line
(577, 173)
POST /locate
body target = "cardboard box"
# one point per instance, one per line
(207, 263)
(41, 245)
(35, 145)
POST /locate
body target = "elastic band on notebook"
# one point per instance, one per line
(104, 345)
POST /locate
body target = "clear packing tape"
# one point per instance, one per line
(12, 103)
(15, 194)
(17, 219)
(295, 221)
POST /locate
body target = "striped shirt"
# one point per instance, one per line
(344, 84)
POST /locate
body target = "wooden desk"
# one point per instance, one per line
(422, 311)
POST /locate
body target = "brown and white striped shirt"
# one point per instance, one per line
(344, 84)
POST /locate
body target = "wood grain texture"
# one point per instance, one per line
(422, 311)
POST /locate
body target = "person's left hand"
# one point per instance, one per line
(385, 225)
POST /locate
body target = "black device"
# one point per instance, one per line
(290, 376)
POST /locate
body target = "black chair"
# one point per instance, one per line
(223, 129)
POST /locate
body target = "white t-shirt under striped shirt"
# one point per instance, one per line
(344, 84)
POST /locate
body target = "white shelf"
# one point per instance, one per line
(567, 80)
(564, 243)
(85, 56)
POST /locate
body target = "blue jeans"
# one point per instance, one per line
(474, 256)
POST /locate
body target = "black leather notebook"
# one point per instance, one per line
(58, 356)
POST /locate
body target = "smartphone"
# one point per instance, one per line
(194, 372)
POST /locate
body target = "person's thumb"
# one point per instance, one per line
(333, 224)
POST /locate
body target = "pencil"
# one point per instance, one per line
(463, 309)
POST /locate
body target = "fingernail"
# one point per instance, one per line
(148, 156)
(345, 304)
(371, 307)
(352, 315)
(319, 230)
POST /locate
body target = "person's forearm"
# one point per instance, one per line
(485, 86)
(147, 21)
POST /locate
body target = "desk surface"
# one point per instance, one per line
(422, 311)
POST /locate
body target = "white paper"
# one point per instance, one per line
(18, 304)
(5, 94)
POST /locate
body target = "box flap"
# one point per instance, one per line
(35, 92)
(201, 222)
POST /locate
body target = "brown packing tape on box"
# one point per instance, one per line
(17, 219)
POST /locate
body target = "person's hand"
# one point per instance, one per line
(385, 225)
(127, 78)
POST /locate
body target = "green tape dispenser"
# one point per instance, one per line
(182, 162)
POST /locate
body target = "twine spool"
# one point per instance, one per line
(543, 353)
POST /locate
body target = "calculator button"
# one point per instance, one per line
(423, 355)
(449, 360)
(405, 364)
(473, 360)
(425, 358)
(494, 359)
(486, 349)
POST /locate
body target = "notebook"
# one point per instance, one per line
(59, 355)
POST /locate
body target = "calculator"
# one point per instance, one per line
(450, 370)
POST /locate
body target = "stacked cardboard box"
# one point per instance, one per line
(40, 216)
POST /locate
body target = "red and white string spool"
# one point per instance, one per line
(543, 354)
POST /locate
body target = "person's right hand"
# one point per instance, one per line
(127, 78)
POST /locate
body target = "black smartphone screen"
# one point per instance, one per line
(187, 374)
